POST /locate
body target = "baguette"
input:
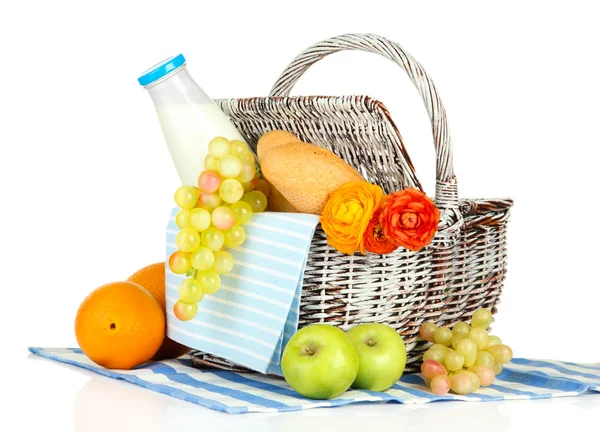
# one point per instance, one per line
(273, 139)
(305, 174)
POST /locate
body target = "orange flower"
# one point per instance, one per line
(347, 214)
(375, 240)
(410, 219)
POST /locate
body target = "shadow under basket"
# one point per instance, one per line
(464, 267)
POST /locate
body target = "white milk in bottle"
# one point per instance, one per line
(188, 117)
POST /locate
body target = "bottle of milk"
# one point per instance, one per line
(188, 117)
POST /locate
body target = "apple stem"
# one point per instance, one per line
(308, 351)
(370, 342)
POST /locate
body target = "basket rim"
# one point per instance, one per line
(372, 104)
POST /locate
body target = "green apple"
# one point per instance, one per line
(319, 362)
(381, 355)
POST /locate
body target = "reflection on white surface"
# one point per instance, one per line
(104, 404)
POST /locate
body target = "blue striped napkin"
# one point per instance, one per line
(237, 393)
(255, 312)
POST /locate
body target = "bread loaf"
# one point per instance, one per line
(278, 203)
(273, 139)
(306, 174)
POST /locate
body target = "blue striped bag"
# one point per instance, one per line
(251, 318)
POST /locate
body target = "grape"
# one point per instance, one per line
(213, 238)
(249, 186)
(453, 360)
(456, 339)
(480, 336)
(502, 353)
(484, 373)
(223, 218)
(243, 212)
(482, 318)
(498, 368)
(438, 346)
(427, 331)
(235, 236)
(231, 191)
(248, 157)
(219, 147)
(199, 219)
(187, 240)
(257, 200)
(247, 172)
(484, 358)
(461, 328)
(432, 368)
(468, 348)
(209, 201)
(179, 262)
(239, 148)
(223, 262)
(230, 166)
(461, 384)
(210, 281)
(440, 385)
(493, 340)
(473, 377)
(437, 355)
(185, 311)
(209, 181)
(190, 291)
(202, 259)
(443, 336)
(263, 186)
(211, 163)
(186, 197)
(181, 218)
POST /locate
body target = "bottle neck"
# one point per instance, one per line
(176, 88)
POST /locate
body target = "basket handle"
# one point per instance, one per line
(446, 194)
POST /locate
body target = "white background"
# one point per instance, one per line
(86, 180)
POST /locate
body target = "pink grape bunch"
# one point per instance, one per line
(464, 358)
(211, 219)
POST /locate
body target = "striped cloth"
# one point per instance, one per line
(237, 393)
(255, 312)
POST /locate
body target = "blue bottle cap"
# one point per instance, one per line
(161, 69)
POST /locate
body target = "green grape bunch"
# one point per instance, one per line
(464, 358)
(212, 218)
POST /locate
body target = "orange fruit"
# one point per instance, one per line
(120, 325)
(152, 278)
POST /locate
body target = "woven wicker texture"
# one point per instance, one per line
(464, 267)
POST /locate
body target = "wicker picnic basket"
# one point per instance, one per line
(464, 267)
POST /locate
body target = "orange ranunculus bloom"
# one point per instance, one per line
(410, 219)
(347, 214)
(375, 240)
